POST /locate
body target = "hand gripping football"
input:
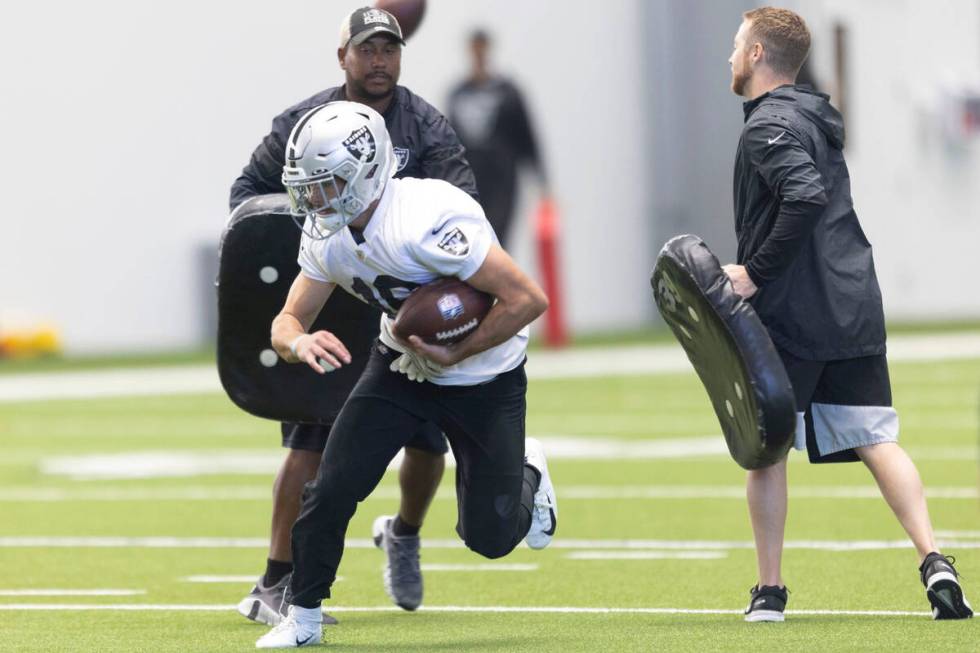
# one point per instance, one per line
(442, 312)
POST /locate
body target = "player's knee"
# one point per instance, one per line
(489, 527)
(491, 547)
(490, 538)
(328, 488)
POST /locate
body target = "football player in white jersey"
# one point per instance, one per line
(378, 238)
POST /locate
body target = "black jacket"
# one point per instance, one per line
(493, 123)
(798, 235)
(425, 145)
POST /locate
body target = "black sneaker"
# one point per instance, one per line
(767, 603)
(943, 589)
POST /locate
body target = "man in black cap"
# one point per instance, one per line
(425, 145)
(491, 117)
(806, 266)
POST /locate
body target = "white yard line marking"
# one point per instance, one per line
(241, 578)
(592, 493)
(962, 453)
(149, 607)
(203, 493)
(250, 578)
(572, 363)
(367, 543)
(129, 465)
(67, 592)
(139, 542)
(137, 382)
(183, 463)
(646, 555)
(568, 493)
(487, 566)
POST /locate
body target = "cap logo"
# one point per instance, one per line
(361, 145)
(375, 16)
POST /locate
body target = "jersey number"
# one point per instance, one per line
(384, 298)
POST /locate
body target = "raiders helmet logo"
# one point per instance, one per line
(361, 144)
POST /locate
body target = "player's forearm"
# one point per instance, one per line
(504, 320)
(285, 330)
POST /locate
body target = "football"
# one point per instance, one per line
(408, 13)
(442, 312)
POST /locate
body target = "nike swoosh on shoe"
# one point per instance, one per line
(301, 642)
(554, 522)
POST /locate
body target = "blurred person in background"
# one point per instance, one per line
(490, 115)
(425, 145)
(806, 267)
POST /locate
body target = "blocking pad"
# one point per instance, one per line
(730, 350)
(257, 267)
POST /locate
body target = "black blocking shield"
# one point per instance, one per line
(257, 267)
(730, 350)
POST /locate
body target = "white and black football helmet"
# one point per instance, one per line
(339, 140)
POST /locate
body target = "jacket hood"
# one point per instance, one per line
(815, 106)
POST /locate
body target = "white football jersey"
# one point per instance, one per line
(421, 230)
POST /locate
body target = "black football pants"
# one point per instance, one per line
(485, 428)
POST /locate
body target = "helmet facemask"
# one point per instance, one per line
(324, 205)
(338, 160)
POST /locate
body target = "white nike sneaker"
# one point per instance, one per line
(301, 627)
(544, 516)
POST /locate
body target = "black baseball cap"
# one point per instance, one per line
(366, 22)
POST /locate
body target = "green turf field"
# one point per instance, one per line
(652, 553)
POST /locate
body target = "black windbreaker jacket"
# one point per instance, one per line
(798, 235)
(425, 144)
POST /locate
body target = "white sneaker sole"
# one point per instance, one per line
(276, 642)
(765, 615)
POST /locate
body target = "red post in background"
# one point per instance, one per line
(547, 231)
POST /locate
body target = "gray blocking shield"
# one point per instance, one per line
(730, 350)
(257, 266)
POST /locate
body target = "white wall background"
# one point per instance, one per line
(916, 192)
(125, 124)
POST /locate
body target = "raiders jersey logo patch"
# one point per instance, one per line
(401, 155)
(455, 243)
(361, 144)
